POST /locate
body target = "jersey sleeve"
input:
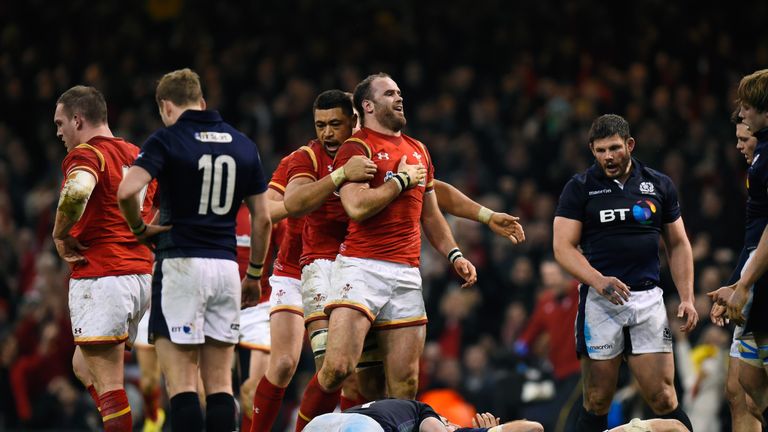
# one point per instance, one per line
(571, 204)
(86, 158)
(425, 412)
(430, 180)
(670, 206)
(279, 179)
(302, 164)
(152, 155)
(257, 183)
(346, 151)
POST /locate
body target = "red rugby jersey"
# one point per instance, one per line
(243, 236)
(112, 248)
(326, 226)
(394, 234)
(289, 251)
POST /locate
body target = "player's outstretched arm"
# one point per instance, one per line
(681, 266)
(566, 235)
(440, 237)
(303, 194)
(72, 201)
(453, 201)
(360, 201)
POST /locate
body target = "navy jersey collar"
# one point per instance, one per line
(201, 116)
(762, 135)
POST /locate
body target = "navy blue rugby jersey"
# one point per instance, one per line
(621, 226)
(757, 192)
(205, 168)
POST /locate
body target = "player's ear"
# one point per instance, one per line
(630, 144)
(203, 105)
(368, 106)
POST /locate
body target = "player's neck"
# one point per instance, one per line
(375, 126)
(624, 177)
(103, 131)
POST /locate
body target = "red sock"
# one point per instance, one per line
(151, 403)
(115, 411)
(266, 405)
(346, 403)
(94, 396)
(316, 401)
(245, 422)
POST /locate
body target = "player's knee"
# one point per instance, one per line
(335, 371)
(734, 393)
(404, 388)
(597, 400)
(754, 388)
(285, 367)
(663, 401)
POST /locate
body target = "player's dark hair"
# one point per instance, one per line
(363, 92)
(735, 118)
(85, 101)
(608, 125)
(331, 99)
(182, 87)
(753, 90)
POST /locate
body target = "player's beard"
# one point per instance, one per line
(619, 167)
(389, 118)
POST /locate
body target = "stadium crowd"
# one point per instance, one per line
(502, 102)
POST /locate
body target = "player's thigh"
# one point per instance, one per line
(655, 373)
(222, 311)
(179, 364)
(107, 310)
(599, 378)
(406, 303)
(649, 332)
(149, 366)
(347, 328)
(216, 366)
(285, 295)
(105, 364)
(258, 364)
(599, 325)
(286, 334)
(316, 288)
(364, 285)
(402, 348)
(179, 297)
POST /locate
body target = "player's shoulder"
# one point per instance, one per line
(655, 176)
(362, 139)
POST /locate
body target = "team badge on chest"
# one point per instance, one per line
(647, 188)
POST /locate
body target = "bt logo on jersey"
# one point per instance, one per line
(610, 215)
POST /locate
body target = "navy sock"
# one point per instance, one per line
(591, 422)
(219, 412)
(679, 414)
(186, 414)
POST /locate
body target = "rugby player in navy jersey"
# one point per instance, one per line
(403, 415)
(747, 299)
(606, 234)
(205, 169)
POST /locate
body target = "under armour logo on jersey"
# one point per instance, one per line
(330, 168)
(417, 156)
(382, 155)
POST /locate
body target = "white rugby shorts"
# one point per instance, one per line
(254, 328)
(286, 295)
(388, 293)
(315, 288)
(107, 310)
(195, 298)
(605, 330)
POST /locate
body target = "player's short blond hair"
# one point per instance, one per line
(182, 87)
(753, 90)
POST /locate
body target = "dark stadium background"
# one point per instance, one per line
(501, 92)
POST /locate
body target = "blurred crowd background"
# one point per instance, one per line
(501, 92)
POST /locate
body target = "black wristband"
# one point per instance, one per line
(138, 229)
(255, 265)
(454, 254)
(400, 182)
(407, 178)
